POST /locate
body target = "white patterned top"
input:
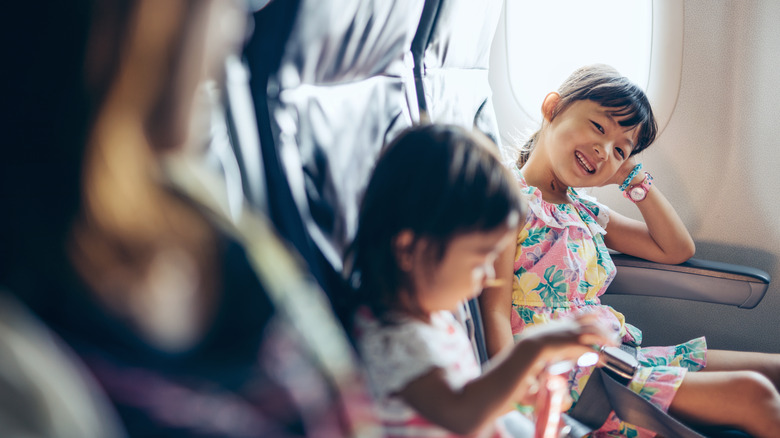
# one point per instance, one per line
(397, 354)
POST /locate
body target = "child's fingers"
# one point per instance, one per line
(594, 331)
(567, 339)
(567, 402)
(570, 352)
(597, 341)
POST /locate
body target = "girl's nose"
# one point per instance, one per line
(486, 273)
(490, 272)
(601, 151)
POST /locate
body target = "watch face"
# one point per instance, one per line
(637, 193)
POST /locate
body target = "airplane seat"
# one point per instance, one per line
(47, 391)
(697, 280)
(694, 280)
(332, 83)
(222, 143)
(451, 65)
(451, 80)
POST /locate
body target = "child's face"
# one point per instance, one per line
(463, 271)
(587, 145)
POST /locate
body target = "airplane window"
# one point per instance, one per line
(548, 39)
(538, 43)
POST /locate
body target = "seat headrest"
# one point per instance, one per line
(348, 40)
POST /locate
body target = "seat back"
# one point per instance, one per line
(328, 97)
(451, 51)
(47, 390)
(333, 81)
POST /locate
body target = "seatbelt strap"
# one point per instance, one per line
(593, 407)
(603, 393)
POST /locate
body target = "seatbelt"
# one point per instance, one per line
(603, 393)
(606, 391)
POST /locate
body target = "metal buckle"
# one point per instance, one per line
(619, 363)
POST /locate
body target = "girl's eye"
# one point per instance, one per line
(599, 127)
(622, 154)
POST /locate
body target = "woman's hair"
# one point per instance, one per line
(45, 133)
(437, 181)
(605, 86)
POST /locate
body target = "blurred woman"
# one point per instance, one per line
(167, 309)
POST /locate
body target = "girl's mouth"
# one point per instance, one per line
(584, 162)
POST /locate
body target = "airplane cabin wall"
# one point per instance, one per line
(718, 162)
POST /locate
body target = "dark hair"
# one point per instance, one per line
(44, 134)
(437, 181)
(604, 85)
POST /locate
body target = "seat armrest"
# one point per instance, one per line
(695, 280)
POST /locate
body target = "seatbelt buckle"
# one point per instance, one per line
(620, 364)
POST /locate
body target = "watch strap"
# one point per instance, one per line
(645, 184)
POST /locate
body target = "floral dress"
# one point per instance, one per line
(562, 266)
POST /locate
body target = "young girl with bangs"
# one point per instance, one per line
(437, 211)
(593, 128)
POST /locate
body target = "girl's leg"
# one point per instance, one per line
(765, 363)
(744, 400)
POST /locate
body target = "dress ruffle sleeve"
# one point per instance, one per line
(598, 211)
(594, 215)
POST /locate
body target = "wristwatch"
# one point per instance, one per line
(638, 192)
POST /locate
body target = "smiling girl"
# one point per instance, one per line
(593, 127)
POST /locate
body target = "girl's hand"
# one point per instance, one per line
(570, 338)
(566, 339)
(623, 171)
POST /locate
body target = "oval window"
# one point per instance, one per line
(548, 39)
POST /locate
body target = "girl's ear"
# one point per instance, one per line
(549, 104)
(403, 248)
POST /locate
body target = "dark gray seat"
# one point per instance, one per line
(695, 280)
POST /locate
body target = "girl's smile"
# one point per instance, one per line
(584, 162)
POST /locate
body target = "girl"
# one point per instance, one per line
(436, 213)
(593, 128)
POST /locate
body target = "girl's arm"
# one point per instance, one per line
(662, 237)
(496, 304)
(495, 392)
(477, 404)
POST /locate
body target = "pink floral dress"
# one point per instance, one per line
(562, 265)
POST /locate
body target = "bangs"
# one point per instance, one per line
(628, 104)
